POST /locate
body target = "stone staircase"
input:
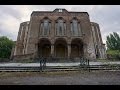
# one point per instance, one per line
(57, 68)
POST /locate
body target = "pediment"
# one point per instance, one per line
(60, 10)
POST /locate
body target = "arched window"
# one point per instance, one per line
(75, 27)
(45, 27)
(60, 27)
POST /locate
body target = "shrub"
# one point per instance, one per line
(113, 54)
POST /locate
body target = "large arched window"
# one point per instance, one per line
(60, 27)
(75, 27)
(45, 27)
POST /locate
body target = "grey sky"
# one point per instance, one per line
(107, 16)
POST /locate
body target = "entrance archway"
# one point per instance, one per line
(60, 48)
(44, 48)
(76, 48)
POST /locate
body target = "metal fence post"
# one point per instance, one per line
(41, 60)
(88, 65)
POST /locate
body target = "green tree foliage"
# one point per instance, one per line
(113, 41)
(113, 46)
(5, 47)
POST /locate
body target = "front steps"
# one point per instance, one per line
(57, 68)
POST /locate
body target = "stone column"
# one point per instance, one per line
(69, 50)
(52, 31)
(101, 53)
(36, 50)
(79, 51)
(52, 49)
(85, 50)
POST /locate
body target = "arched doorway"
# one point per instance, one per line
(44, 48)
(60, 48)
(76, 48)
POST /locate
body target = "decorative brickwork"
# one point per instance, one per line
(59, 34)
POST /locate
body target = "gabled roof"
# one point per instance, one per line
(58, 10)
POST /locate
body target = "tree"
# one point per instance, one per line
(113, 41)
(5, 47)
(113, 46)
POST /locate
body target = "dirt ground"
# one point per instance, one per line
(61, 78)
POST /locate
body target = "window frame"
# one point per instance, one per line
(58, 25)
(75, 32)
(42, 27)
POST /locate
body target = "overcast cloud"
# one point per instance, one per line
(107, 16)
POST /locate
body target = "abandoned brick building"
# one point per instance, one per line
(59, 33)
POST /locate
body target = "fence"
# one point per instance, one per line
(83, 62)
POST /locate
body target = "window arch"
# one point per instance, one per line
(45, 27)
(60, 27)
(75, 27)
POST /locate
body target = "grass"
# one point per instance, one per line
(14, 74)
(99, 59)
(43, 74)
(113, 52)
(106, 61)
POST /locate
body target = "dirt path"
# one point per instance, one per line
(61, 78)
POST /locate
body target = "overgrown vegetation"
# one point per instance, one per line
(113, 46)
(5, 47)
